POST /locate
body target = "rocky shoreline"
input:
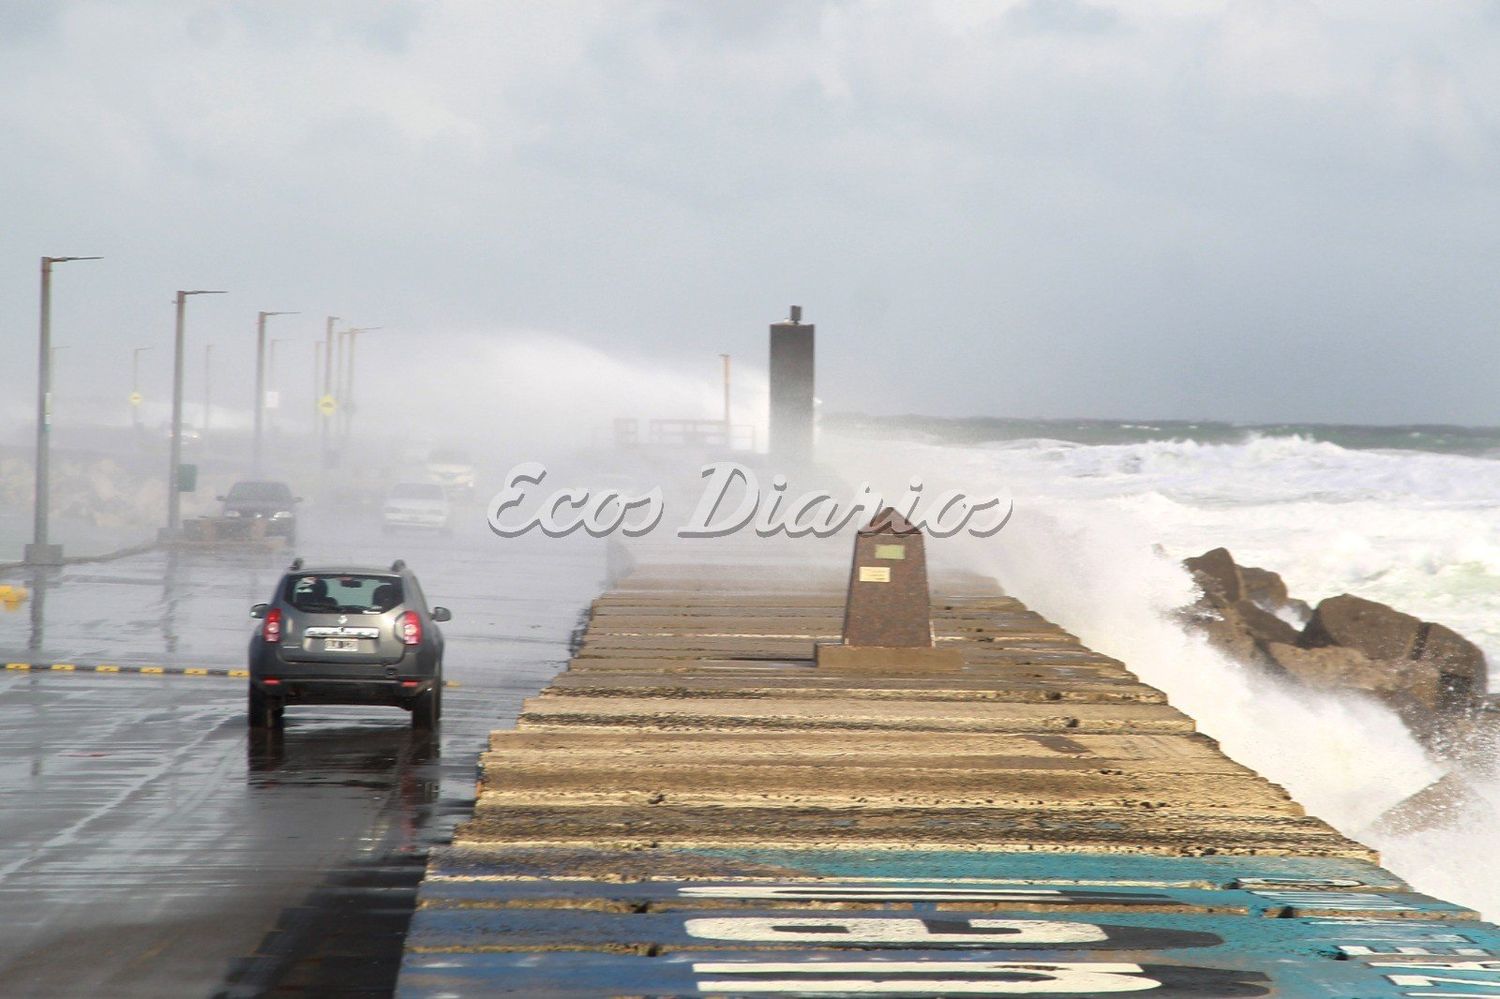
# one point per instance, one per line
(1432, 677)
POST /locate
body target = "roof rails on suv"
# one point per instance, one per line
(397, 566)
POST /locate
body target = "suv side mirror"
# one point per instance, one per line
(259, 611)
(441, 614)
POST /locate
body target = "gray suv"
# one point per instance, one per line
(347, 636)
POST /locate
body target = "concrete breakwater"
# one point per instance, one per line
(694, 808)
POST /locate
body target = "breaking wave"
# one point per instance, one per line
(1095, 545)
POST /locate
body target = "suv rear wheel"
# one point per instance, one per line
(427, 708)
(264, 711)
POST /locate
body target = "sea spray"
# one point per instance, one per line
(1118, 595)
(1095, 545)
(524, 395)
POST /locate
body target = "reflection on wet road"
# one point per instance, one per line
(150, 845)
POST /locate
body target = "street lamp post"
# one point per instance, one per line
(338, 368)
(53, 368)
(348, 397)
(327, 418)
(174, 472)
(260, 381)
(135, 385)
(40, 552)
(341, 384)
(274, 380)
(317, 370)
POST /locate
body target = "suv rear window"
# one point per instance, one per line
(326, 593)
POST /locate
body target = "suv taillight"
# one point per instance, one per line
(409, 627)
(270, 631)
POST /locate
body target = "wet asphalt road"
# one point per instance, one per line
(151, 846)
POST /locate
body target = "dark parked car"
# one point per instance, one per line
(341, 635)
(272, 502)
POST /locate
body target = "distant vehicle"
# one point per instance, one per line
(453, 470)
(418, 505)
(341, 635)
(190, 433)
(272, 502)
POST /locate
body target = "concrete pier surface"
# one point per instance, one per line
(694, 808)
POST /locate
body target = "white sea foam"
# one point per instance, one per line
(1416, 530)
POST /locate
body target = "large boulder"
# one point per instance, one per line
(1267, 590)
(1217, 574)
(1378, 631)
(1445, 672)
(1225, 630)
(1432, 676)
(1262, 625)
(1263, 586)
(1333, 668)
(1233, 621)
(1448, 803)
(1411, 693)
(1462, 673)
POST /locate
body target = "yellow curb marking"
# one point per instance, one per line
(151, 670)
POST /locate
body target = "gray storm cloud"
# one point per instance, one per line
(1254, 211)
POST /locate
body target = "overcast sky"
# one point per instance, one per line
(1257, 211)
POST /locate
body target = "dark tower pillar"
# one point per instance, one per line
(792, 390)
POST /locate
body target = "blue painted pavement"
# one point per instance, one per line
(1065, 925)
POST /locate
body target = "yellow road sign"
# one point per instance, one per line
(327, 405)
(136, 398)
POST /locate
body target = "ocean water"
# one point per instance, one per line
(1409, 516)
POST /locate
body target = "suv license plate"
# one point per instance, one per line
(340, 645)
